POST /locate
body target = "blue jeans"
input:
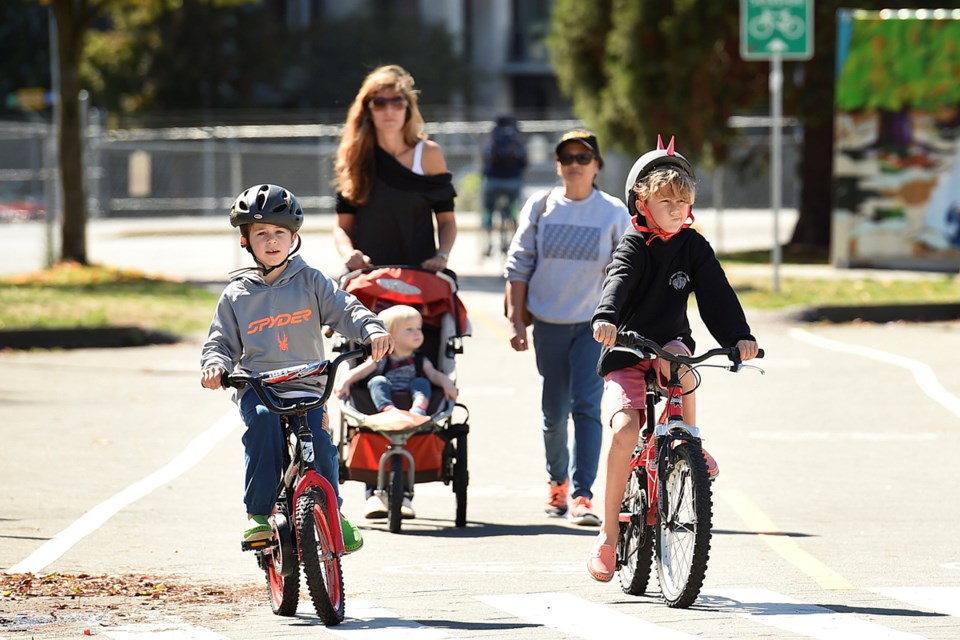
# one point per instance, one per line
(567, 358)
(381, 391)
(264, 449)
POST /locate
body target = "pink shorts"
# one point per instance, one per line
(627, 388)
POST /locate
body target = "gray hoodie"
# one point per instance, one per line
(259, 327)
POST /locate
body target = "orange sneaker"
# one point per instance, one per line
(713, 469)
(582, 513)
(556, 506)
(602, 563)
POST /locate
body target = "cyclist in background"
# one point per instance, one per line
(504, 163)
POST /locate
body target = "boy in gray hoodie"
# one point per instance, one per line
(271, 316)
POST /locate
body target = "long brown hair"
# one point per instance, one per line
(354, 165)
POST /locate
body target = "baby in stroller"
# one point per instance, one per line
(405, 369)
(396, 418)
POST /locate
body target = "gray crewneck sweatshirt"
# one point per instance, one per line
(563, 253)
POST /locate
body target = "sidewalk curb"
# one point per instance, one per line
(881, 313)
(84, 338)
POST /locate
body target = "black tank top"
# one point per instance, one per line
(395, 226)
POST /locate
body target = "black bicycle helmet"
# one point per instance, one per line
(659, 157)
(267, 203)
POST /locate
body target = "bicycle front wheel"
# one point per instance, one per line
(683, 525)
(320, 564)
(635, 542)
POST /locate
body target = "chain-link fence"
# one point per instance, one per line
(197, 170)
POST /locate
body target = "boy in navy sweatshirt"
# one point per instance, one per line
(656, 266)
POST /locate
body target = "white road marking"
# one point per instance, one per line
(834, 436)
(922, 373)
(163, 631)
(92, 520)
(944, 600)
(366, 621)
(811, 621)
(578, 617)
(487, 568)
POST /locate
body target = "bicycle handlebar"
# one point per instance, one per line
(259, 382)
(646, 348)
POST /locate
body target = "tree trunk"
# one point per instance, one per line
(73, 230)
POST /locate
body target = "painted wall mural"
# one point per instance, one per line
(896, 191)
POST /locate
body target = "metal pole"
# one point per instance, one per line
(53, 159)
(776, 149)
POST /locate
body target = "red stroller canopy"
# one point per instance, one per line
(432, 293)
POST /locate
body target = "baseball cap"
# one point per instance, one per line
(582, 136)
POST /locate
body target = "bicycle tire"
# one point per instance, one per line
(635, 541)
(683, 539)
(282, 572)
(395, 495)
(284, 592)
(461, 478)
(321, 566)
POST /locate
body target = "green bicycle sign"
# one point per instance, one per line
(768, 27)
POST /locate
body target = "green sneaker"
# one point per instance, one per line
(352, 540)
(258, 528)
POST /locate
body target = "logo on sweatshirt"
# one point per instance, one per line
(679, 280)
(279, 320)
(282, 340)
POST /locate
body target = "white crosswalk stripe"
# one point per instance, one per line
(162, 631)
(366, 621)
(807, 620)
(578, 617)
(945, 600)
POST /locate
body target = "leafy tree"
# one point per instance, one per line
(75, 19)
(197, 56)
(637, 68)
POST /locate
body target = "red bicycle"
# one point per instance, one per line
(306, 517)
(667, 506)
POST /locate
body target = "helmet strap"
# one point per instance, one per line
(264, 269)
(655, 230)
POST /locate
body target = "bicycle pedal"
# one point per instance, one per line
(256, 545)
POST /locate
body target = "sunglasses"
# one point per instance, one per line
(396, 102)
(568, 159)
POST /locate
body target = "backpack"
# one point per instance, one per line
(505, 155)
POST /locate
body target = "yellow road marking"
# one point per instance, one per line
(758, 522)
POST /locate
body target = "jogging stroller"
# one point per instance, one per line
(397, 449)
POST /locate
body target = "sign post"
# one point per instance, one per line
(776, 30)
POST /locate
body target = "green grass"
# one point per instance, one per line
(69, 295)
(757, 293)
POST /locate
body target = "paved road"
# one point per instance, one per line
(835, 513)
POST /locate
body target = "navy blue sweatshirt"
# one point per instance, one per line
(647, 287)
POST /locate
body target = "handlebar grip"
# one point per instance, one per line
(367, 350)
(760, 353)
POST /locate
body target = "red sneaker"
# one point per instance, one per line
(556, 506)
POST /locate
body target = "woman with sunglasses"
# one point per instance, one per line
(555, 269)
(391, 180)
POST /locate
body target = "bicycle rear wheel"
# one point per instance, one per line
(635, 542)
(683, 524)
(320, 564)
(282, 571)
